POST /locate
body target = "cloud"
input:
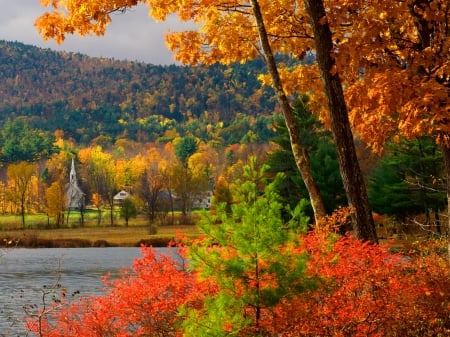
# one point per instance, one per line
(132, 36)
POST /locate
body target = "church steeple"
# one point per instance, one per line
(74, 195)
(73, 174)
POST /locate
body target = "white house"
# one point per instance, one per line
(121, 196)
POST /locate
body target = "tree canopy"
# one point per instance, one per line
(395, 53)
(19, 142)
(325, 167)
(370, 40)
(405, 181)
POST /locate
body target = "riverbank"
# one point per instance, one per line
(94, 237)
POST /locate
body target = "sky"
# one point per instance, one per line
(132, 36)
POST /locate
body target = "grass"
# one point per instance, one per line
(39, 232)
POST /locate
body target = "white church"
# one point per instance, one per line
(74, 195)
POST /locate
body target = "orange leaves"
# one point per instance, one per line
(53, 26)
(363, 290)
(371, 38)
(77, 16)
(142, 302)
(187, 46)
(391, 43)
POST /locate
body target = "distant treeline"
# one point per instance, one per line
(91, 97)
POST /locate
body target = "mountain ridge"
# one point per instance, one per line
(89, 97)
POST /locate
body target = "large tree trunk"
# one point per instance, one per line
(446, 155)
(352, 178)
(300, 153)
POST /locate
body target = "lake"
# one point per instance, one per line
(26, 273)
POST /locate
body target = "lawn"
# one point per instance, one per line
(39, 232)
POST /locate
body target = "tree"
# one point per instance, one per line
(97, 202)
(406, 181)
(153, 182)
(237, 22)
(249, 257)
(222, 193)
(128, 210)
(352, 178)
(100, 170)
(317, 140)
(56, 202)
(20, 176)
(184, 186)
(21, 143)
(184, 148)
(401, 68)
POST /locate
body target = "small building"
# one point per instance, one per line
(203, 200)
(121, 196)
(75, 198)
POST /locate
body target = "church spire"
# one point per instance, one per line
(74, 195)
(73, 174)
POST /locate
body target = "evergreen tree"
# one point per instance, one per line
(185, 147)
(324, 163)
(21, 143)
(406, 181)
(249, 255)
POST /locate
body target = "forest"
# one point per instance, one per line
(105, 99)
(294, 243)
(406, 184)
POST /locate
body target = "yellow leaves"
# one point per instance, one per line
(52, 26)
(374, 42)
(56, 199)
(48, 3)
(265, 79)
(77, 16)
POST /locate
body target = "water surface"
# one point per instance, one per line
(25, 274)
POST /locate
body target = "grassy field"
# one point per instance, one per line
(39, 232)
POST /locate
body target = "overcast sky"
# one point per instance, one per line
(133, 36)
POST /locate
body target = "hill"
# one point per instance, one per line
(97, 97)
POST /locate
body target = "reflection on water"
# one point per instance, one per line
(26, 273)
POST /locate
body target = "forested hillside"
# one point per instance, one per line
(97, 97)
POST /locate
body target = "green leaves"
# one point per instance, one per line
(405, 181)
(21, 143)
(249, 255)
(185, 147)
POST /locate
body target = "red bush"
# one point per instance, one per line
(362, 290)
(142, 302)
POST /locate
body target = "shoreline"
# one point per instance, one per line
(86, 237)
(36, 242)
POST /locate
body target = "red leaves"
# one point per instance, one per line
(362, 290)
(143, 301)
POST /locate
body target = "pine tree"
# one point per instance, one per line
(249, 255)
(407, 182)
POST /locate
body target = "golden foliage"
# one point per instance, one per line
(392, 56)
(56, 200)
